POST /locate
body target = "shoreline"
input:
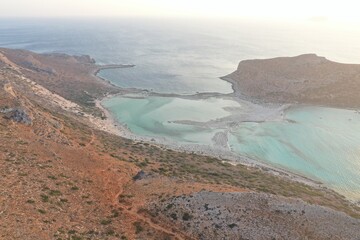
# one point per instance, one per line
(220, 153)
(217, 151)
(111, 66)
(237, 94)
(111, 125)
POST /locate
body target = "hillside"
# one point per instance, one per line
(64, 178)
(307, 79)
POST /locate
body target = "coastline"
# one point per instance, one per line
(88, 154)
(111, 125)
(98, 68)
(111, 66)
(219, 150)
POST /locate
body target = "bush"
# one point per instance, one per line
(138, 227)
(105, 222)
(173, 216)
(54, 193)
(186, 217)
(41, 211)
(44, 198)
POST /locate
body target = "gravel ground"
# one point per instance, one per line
(210, 215)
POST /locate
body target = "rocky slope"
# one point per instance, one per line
(211, 215)
(308, 79)
(62, 178)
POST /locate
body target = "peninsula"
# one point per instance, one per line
(306, 79)
(67, 173)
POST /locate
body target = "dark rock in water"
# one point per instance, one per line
(140, 175)
(17, 115)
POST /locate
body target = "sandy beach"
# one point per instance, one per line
(250, 112)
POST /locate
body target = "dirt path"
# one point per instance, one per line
(152, 224)
(92, 140)
(8, 88)
(133, 212)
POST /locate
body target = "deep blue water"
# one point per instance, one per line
(174, 55)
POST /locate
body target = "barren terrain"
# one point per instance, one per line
(62, 177)
(307, 79)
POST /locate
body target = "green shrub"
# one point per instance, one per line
(138, 227)
(186, 217)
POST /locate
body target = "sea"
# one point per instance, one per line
(186, 57)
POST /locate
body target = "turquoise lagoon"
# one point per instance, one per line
(188, 57)
(158, 116)
(319, 143)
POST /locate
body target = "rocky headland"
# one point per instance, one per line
(304, 79)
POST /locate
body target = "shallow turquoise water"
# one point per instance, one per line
(155, 116)
(320, 143)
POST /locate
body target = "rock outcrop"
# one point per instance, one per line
(17, 115)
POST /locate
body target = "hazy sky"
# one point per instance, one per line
(289, 9)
